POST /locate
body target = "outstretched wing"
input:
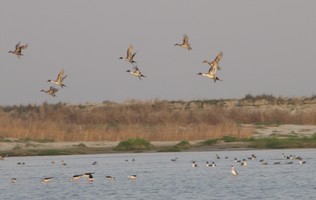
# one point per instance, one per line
(136, 70)
(17, 45)
(212, 71)
(24, 46)
(60, 76)
(218, 57)
(129, 51)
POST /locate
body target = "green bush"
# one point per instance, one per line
(229, 139)
(133, 144)
(178, 147)
(209, 142)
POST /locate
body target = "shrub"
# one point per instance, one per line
(229, 139)
(209, 142)
(133, 144)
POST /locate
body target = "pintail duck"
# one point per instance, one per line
(87, 174)
(46, 179)
(112, 178)
(211, 74)
(18, 49)
(210, 164)
(132, 177)
(215, 62)
(13, 180)
(60, 78)
(243, 163)
(213, 69)
(52, 91)
(234, 172)
(194, 164)
(302, 162)
(130, 55)
(185, 44)
(136, 73)
(76, 177)
(90, 178)
(174, 159)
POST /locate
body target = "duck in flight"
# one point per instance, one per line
(18, 49)
(215, 62)
(52, 91)
(136, 72)
(214, 68)
(130, 55)
(60, 78)
(185, 43)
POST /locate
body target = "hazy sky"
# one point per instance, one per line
(269, 47)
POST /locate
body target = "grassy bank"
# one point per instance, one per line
(153, 120)
(137, 145)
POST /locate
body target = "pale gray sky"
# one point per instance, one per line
(269, 47)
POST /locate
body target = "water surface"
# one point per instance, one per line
(160, 178)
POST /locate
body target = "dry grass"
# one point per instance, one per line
(151, 120)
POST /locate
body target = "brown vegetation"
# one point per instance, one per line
(152, 120)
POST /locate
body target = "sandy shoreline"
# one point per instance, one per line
(260, 131)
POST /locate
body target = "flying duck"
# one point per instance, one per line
(130, 55)
(60, 78)
(136, 73)
(18, 49)
(52, 91)
(211, 74)
(215, 62)
(185, 44)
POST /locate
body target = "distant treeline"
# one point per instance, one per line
(152, 120)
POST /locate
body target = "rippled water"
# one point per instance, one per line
(160, 178)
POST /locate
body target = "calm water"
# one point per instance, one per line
(160, 178)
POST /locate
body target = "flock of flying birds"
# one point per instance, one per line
(214, 65)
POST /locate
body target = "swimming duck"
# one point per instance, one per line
(90, 178)
(60, 78)
(210, 164)
(185, 44)
(110, 178)
(244, 162)
(130, 55)
(18, 49)
(234, 172)
(132, 177)
(136, 73)
(76, 177)
(52, 91)
(46, 179)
